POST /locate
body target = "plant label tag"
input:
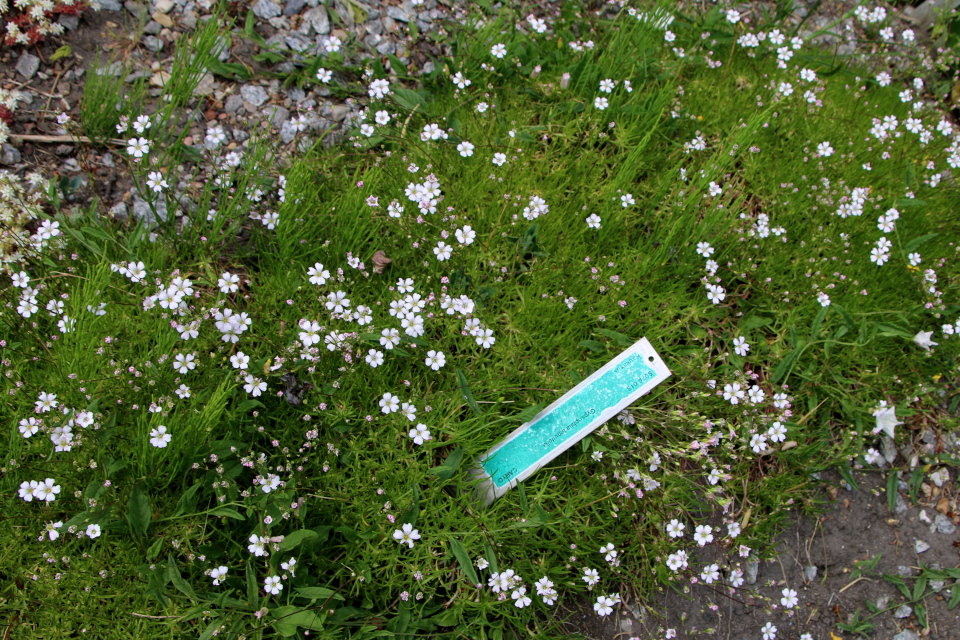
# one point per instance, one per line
(633, 373)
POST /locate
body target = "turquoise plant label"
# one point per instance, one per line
(568, 420)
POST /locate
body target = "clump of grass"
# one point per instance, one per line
(107, 98)
(262, 434)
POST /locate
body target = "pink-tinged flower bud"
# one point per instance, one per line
(565, 81)
(535, 73)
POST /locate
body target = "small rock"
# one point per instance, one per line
(276, 114)
(188, 205)
(944, 525)
(904, 571)
(338, 112)
(266, 9)
(69, 22)
(27, 65)
(318, 19)
(901, 506)
(277, 41)
(63, 149)
(111, 5)
(298, 42)
(137, 76)
(119, 211)
(937, 585)
(889, 448)
(71, 164)
(233, 103)
(159, 79)
(387, 47)
(107, 160)
(206, 86)
(920, 546)
(903, 611)
(164, 6)
(810, 573)
(136, 9)
(254, 94)
(924, 518)
(143, 213)
(750, 571)
(940, 477)
(296, 94)
(399, 13)
(883, 602)
(152, 28)
(293, 7)
(240, 135)
(9, 154)
(189, 20)
(162, 19)
(288, 131)
(906, 635)
(153, 43)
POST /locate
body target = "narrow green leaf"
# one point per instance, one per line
(916, 243)
(817, 322)
(187, 501)
(410, 515)
(460, 553)
(465, 390)
(253, 593)
(593, 346)
(227, 512)
(619, 338)
(892, 491)
(523, 498)
(318, 593)
(954, 596)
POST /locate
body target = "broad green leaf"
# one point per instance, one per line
(227, 512)
(295, 538)
(916, 243)
(173, 574)
(187, 501)
(460, 553)
(138, 511)
(253, 592)
(593, 346)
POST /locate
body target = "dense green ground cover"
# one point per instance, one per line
(227, 412)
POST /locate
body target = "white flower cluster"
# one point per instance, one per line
(426, 195)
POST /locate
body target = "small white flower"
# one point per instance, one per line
(601, 103)
(923, 340)
(389, 403)
(466, 149)
(703, 534)
(420, 434)
(159, 437)
(435, 360)
(593, 221)
(272, 585)
(499, 159)
(324, 75)
(93, 531)
(789, 599)
(406, 535)
(218, 574)
(498, 51)
(704, 248)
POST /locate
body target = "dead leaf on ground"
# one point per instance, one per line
(380, 261)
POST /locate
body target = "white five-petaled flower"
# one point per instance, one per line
(741, 346)
(675, 528)
(272, 585)
(769, 631)
(499, 159)
(703, 534)
(324, 75)
(601, 103)
(93, 531)
(603, 606)
(443, 251)
(607, 86)
(218, 574)
(520, 598)
(789, 599)
(627, 200)
(710, 573)
(593, 221)
(498, 51)
(435, 360)
(159, 437)
(406, 535)
(138, 147)
(389, 403)
(156, 182)
(420, 434)
(466, 149)
(704, 249)
(240, 360)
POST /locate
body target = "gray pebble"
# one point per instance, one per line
(63, 149)
(750, 571)
(904, 571)
(338, 112)
(152, 28)
(901, 507)
(906, 635)
(277, 41)
(206, 86)
(296, 94)
(136, 9)
(889, 448)
(288, 131)
(254, 94)
(276, 114)
(143, 213)
(137, 75)
(399, 13)
(233, 103)
(189, 21)
(903, 611)
(111, 5)
(153, 43)
(107, 160)
(27, 65)
(883, 602)
(266, 9)
(937, 585)
(318, 19)
(240, 135)
(944, 525)
(299, 42)
(71, 164)
(9, 154)
(293, 7)
(810, 573)
(374, 26)
(119, 211)
(920, 546)
(69, 22)
(187, 204)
